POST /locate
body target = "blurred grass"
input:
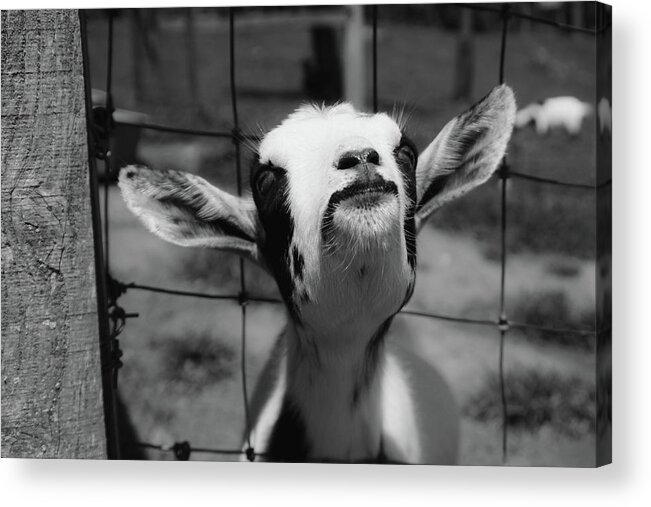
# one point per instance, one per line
(212, 269)
(196, 360)
(552, 309)
(535, 399)
(563, 267)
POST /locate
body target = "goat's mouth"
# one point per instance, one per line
(363, 194)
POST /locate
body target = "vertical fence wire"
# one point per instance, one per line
(503, 322)
(238, 167)
(115, 314)
(108, 126)
(109, 394)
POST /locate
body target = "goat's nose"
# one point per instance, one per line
(350, 159)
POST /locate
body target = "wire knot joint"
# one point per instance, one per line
(182, 450)
(243, 298)
(236, 135)
(504, 170)
(101, 129)
(503, 324)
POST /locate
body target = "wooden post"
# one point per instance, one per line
(52, 397)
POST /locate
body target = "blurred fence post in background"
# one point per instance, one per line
(192, 71)
(322, 72)
(144, 30)
(52, 392)
(355, 67)
(465, 58)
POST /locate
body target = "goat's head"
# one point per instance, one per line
(338, 197)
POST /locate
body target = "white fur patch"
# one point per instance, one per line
(261, 432)
(399, 417)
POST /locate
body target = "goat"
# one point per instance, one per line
(338, 198)
(554, 112)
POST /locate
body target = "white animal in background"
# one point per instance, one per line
(338, 198)
(554, 112)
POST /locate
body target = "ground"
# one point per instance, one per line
(181, 375)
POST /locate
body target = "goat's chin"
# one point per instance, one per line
(365, 223)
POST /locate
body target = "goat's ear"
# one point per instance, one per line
(465, 153)
(187, 210)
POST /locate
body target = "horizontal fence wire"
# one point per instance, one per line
(535, 19)
(558, 183)
(556, 330)
(503, 172)
(193, 132)
(234, 297)
(182, 450)
(124, 287)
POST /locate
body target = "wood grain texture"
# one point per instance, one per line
(51, 376)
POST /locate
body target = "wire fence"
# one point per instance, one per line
(117, 316)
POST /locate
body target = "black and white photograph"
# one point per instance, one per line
(344, 234)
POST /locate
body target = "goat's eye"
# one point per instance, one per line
(264, 181)
(405, 154)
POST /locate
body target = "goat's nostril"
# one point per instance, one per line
(348, 160)
(351, 159)
(372, 157)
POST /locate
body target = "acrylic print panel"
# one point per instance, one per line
(361, 295)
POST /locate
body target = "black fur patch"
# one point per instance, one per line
(406, 156)
(467, 131)
(288, 440)
(278, 225)
(466, 135)
(477, 110)
(298, 263)
(435, 187)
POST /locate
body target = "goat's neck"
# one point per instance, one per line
(335, 354)
(334, 383)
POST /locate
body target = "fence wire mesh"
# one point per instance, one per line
(117, 316)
